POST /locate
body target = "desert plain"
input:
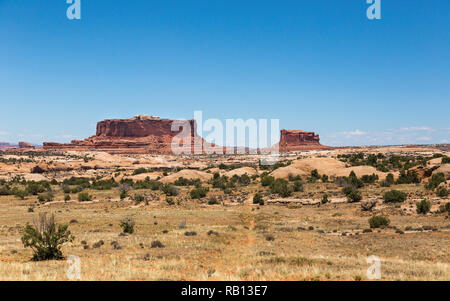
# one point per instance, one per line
(227, 217)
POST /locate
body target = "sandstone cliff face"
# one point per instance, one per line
(138, 127)
(25, 145)
(148, 134)
(296, 140)
(139, 135)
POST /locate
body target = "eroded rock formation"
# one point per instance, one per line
(25, 145)
(296, 140)
(150, 134)
(138, 135)
(5, 145)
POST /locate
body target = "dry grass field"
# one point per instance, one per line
(299, 239)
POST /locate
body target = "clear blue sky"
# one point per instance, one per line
(317, 65)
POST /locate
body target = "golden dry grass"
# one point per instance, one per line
(270, 242)
(240, 251)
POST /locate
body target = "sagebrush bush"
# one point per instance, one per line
(46, 238)
(354, 196)
(140, 198)
(281, 187)
(213, 201)
(84, 197)
(257, 199)
(199, 192)
(297, 186)
(445, 208)
(394, 196)
(423, 207)
(442, 192)
(435, 180)
(156, 244)
(267, 180)
(378, 221)
(169, 190)
(127, 225)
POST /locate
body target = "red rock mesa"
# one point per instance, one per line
(296, 140)
(25, 145)
(149, 134)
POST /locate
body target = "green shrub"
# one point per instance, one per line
(445, 208)
(394, 196)
(445, 160)
(140, 198)
(244, 180)
(77, 189)
(170, 201)
(257, 199)
(84, 197)
(127, 225)
(124, 187)
(297, 186)
(353, 180)
(67, 197)
(325, 198)
(34, 188)
(369, 179)
(4, 190)
(442, 192)
(390, 179)
(281, 187)
(139, 171)
(213, 201)
(435, 180)
(379, 221)
(315, 174)
(48, 197)
(85, 182)
(423, 207)
(169, 190)
(296, 178)
(408, 177)
(199, 192)
(66, 189)
(46, 238)
(354, 196)
(267, 180)
(21, 194)
(221, 182)
(104, 184)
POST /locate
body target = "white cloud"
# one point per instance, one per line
(417, 128)
(424, 138)
(404, 135)
(4, 133)
(356, 133)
